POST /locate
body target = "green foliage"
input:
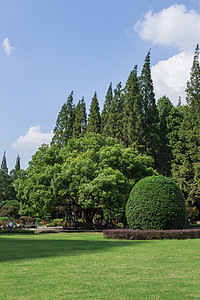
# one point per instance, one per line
(7, 190)
(186, 165)
(4, 164)
(14, 171)
(2, 219)
(131, 234)
(174, 121)
(75, 173)
(156, 202)
(110, 127)
(165, 151)
(63, 130)
(16, 231)
(79, 126)
(10, 209)
(89, 174)
(107, 107)
(34, 186)
(132, 112)
(94, 118)
(150, 111)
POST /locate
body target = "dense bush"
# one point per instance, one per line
(151, 234)
(156, 202)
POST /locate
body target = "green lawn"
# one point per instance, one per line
(86, 266)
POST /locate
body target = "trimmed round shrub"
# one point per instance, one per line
(156, 202)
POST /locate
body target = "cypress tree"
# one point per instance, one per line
(150, 111)
(174, 121)
(4, 163)
(186, 165)
(132, 112)
(7, 190)
(120, 98)
(110, 128)
(107, 106)
(79, 126)
(14, 171)
(164, 150)
(94, 118)
(64, 125)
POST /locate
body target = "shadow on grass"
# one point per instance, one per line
(19, 248)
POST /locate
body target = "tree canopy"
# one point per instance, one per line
(90, 174)
(94, 160)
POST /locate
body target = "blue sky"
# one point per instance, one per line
(49, 48)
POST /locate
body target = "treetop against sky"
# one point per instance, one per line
(50, 48)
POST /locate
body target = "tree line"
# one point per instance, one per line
(132, 130)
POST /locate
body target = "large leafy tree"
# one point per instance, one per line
(90, 174)
(186, 166)
(63, 130)
(34, 185)
(94, 118)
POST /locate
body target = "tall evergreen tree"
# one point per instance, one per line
(64, 125)
(164, 150)
(14, 171)
(79, 126)
(132, 112)
(8, 203)
(150, 111)
(120, 98)
(107, 106)
(7, 191)
(174, 121)
(110, 128)
(94, 118)
(186, 166)
(4, 163)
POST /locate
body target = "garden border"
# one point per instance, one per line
(130, 234)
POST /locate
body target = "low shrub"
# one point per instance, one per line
(79, 225)
(56, 223)
(155, 203)
(4, 219)
(18, 231)
(130, 234)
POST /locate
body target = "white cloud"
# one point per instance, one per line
(7, 48)
(173, 26)
(170, 76)
(32, 139)
(176, 27)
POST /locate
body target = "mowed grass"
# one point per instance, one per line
(87, 266)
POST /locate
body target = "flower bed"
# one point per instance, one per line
(130, 234)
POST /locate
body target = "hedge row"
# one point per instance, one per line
(17, 231)
(130, 234)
